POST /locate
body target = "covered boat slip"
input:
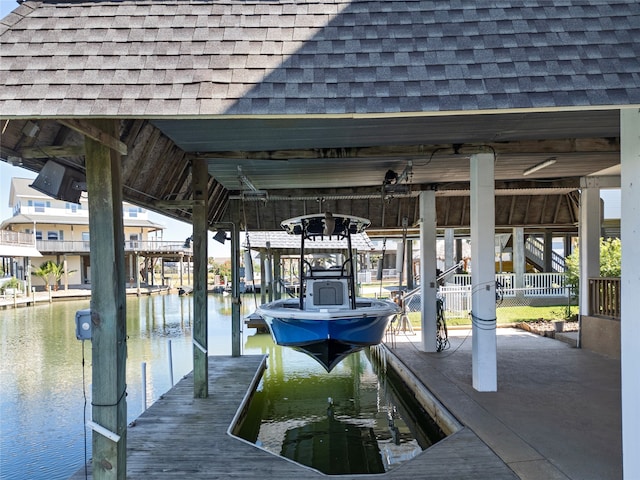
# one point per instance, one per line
(181, 436)
(498, 119)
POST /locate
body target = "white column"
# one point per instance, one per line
(428, 287)
(589, 235)
(519, 256)
(629, 327)
(449, 247)
(483, 299)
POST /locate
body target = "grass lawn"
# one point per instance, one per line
(510, 315)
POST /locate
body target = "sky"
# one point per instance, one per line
(6, 6)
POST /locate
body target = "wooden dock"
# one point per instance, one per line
(183, 437)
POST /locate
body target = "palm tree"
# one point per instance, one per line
(51, 273)
(44, 272)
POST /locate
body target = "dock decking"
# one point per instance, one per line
(183, 437)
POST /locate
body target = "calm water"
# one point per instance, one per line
(42, 388)
(355, 419)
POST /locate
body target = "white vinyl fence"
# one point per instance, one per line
(456, 295)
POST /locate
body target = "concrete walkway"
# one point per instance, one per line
(556, 415)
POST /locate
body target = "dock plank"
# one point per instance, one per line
(184, 436)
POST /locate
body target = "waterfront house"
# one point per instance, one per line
(62, 236)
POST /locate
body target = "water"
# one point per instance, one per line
(356, 419)
(42, 396)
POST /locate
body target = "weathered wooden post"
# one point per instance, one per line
(199, 179)
(236, 335)
(109, 348)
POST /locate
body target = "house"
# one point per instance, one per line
(62, 236)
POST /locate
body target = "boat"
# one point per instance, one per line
(328, 321)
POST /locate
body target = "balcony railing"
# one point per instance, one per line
(81, 246)
(7, 237)
(604, 297)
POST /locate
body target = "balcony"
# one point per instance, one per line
(7, 237)
(51, 247)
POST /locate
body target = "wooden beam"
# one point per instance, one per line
(199, 179)
(89, 130)
(567, 145)
(53, 151)
(178, 203)
(108, 312)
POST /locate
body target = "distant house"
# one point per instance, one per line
(62, 234)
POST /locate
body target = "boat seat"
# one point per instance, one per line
(328, 293)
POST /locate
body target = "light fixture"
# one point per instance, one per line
(539, 166)
(60, 182)
(221, 236)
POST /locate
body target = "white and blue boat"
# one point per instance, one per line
(327, 321)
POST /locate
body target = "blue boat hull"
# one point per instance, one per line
(368, 330)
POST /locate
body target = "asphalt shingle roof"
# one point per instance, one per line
(184, 58)
(284, 241)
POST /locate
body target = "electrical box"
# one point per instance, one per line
(83, 324)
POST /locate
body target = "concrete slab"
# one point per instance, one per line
(556, 414)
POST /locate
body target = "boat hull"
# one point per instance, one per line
(294, 332)
(363, 326)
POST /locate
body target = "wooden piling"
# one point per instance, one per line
(109, 348)
(199, 179)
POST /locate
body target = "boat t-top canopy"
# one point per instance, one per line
(325, 224)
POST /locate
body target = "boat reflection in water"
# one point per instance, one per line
(328, 321)
(357, 419)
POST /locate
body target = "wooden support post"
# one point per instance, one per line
(263, 284)
(108, 314)
(200, 181)
(409, 265)
(548, 251)
(137, 273)
(236, 336)
(277, 275)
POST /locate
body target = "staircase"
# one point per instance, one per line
(534, 252)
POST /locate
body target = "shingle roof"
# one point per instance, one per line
(281, 240)
(184, 58)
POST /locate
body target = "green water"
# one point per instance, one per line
(356, 419)
(44, 384)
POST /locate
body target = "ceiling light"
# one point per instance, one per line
(539, 166)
